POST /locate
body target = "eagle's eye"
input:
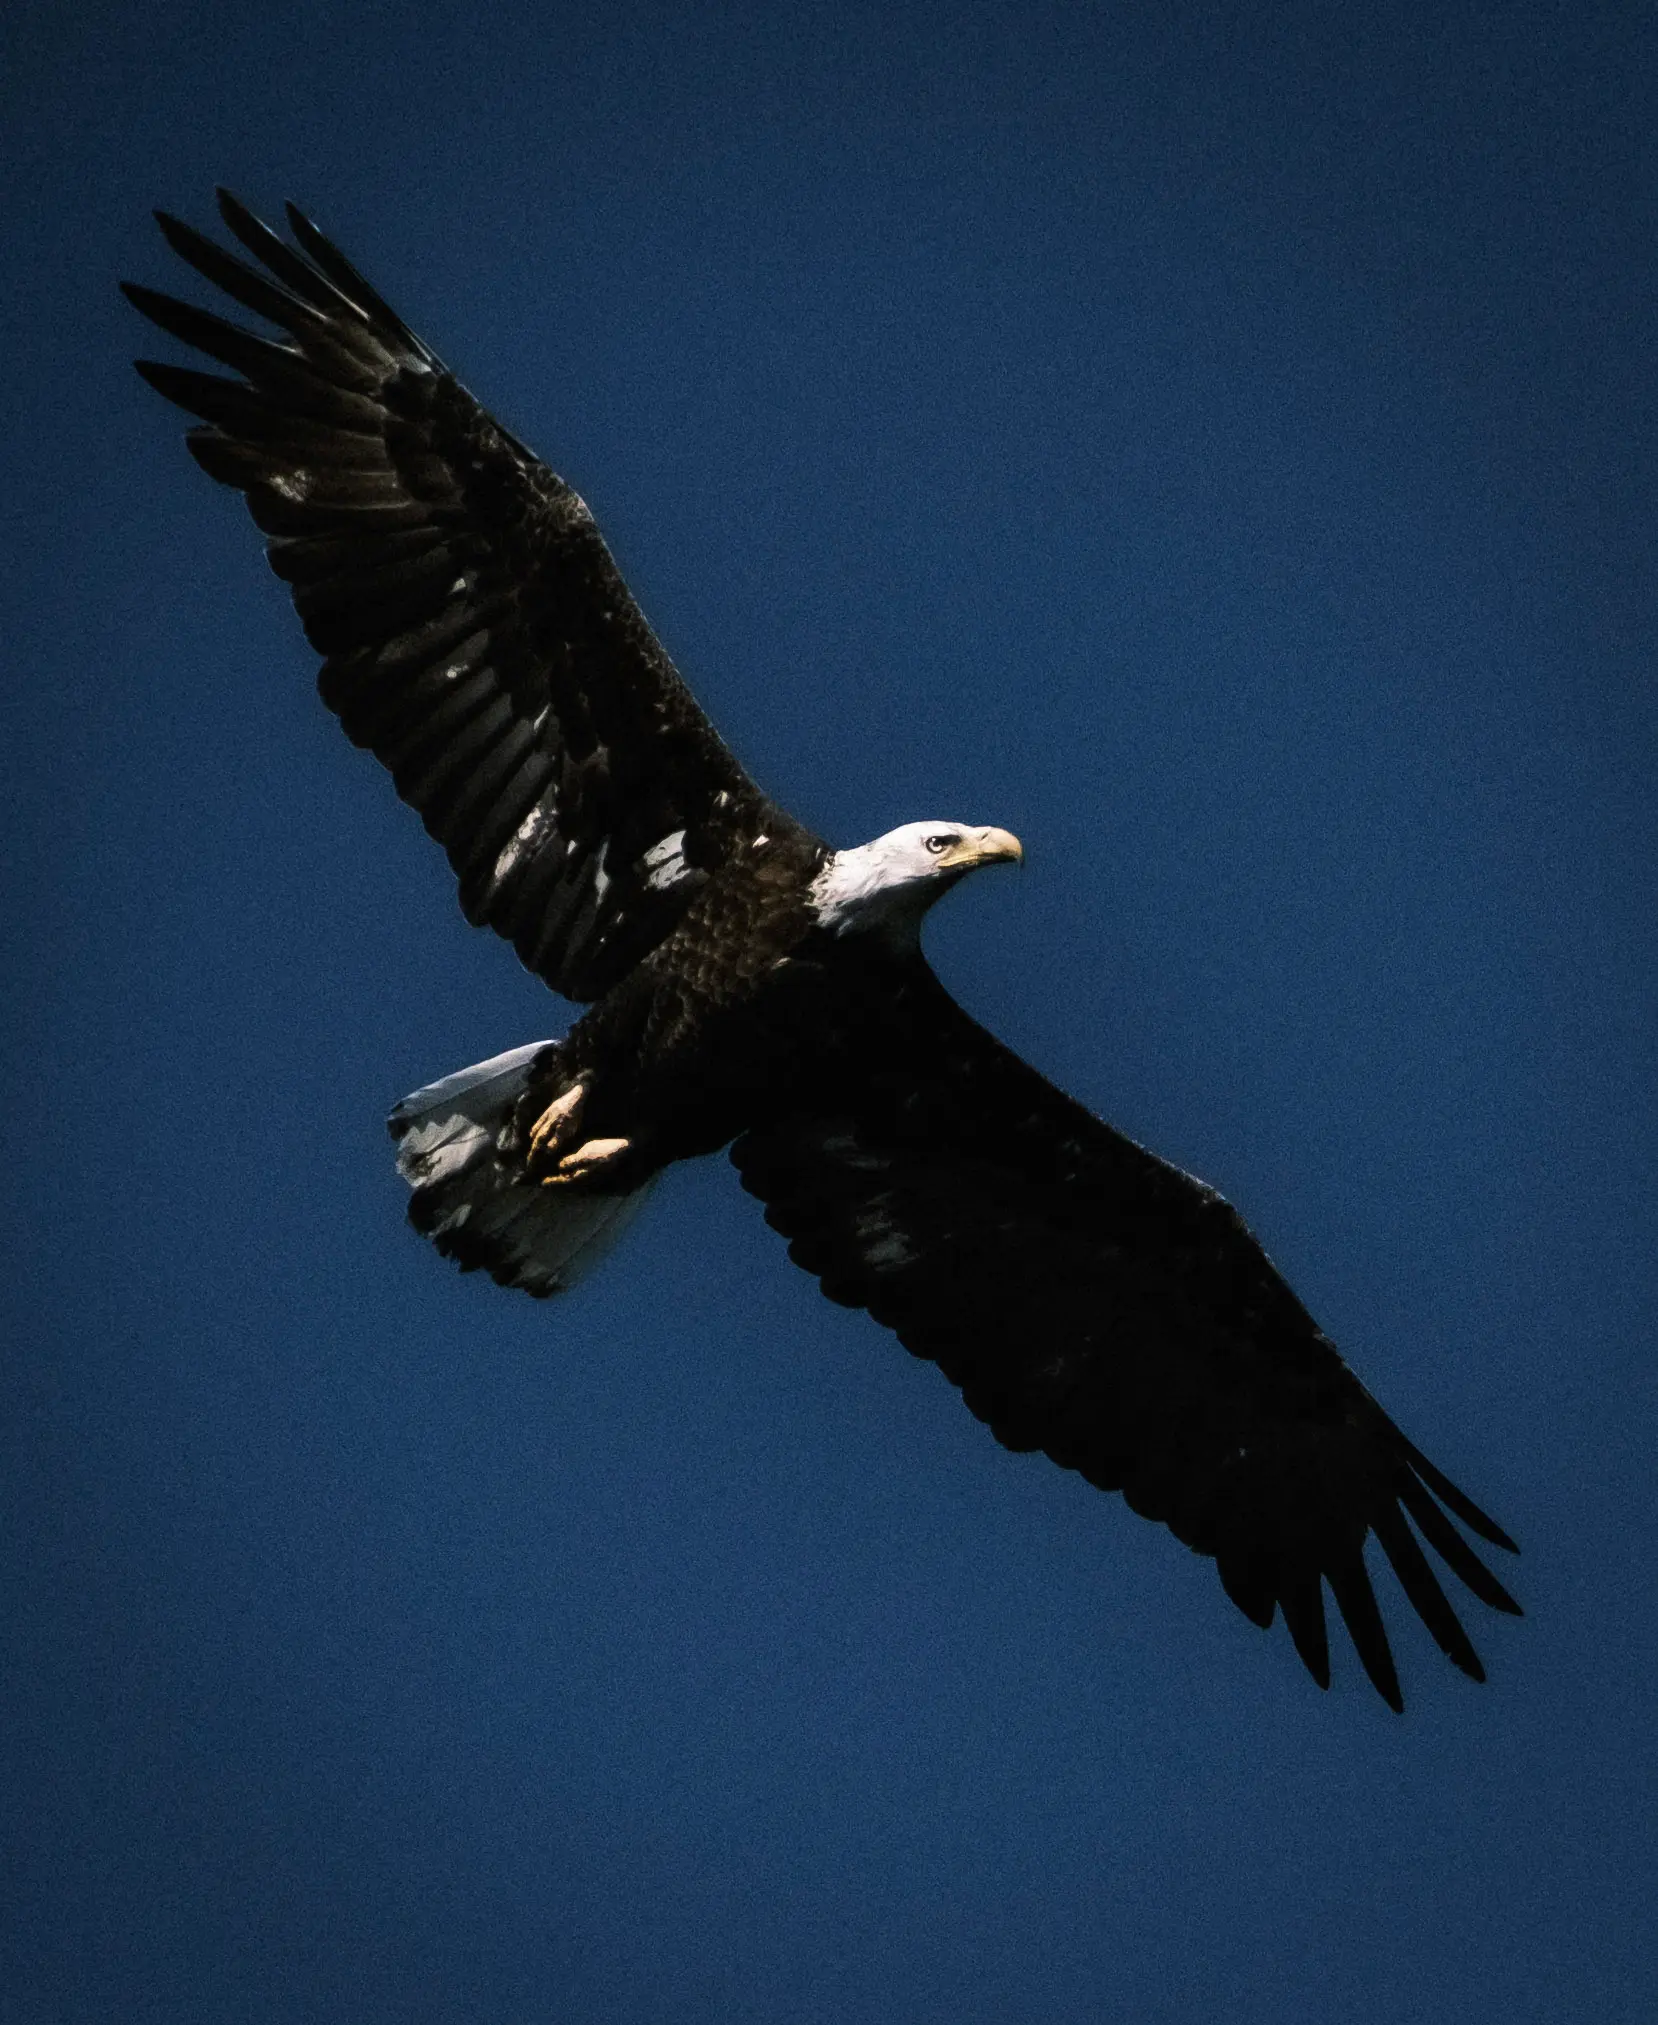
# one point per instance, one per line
(940, 843)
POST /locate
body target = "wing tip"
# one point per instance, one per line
(182, 237)
(1458, 1501)
(158, 374)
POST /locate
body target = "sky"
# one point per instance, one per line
(1215, 443)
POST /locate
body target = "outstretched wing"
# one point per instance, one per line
(478, 637)
(1093, 1301)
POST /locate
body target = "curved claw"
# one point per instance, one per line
(586, 1161)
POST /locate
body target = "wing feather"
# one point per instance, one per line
(1094, 1302)
(476, 635)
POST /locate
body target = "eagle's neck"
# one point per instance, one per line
(871, 890)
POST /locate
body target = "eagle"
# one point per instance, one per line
(748, 986)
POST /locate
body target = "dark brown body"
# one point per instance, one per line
(718, 1019)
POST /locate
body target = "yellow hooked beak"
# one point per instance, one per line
(984, 847)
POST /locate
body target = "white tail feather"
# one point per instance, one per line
(474, 1201)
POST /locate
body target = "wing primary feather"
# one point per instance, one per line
(203, 394)
(292, 271)
(1350, 1581)
(352, 350)
(361, 291)
(1452, 1548)
(231, 346)
(319, 444)
(244, 284)
(1458, 1501)
(1421, 1585)
(276, 368)
(1301, 1596)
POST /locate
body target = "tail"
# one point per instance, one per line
(457, 1150)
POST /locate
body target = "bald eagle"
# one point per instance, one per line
(750, 987)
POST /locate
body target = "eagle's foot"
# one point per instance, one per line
(555, 1130)
(586, 1161)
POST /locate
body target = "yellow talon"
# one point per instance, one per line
(558, 1124)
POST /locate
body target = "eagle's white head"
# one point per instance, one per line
(889, 884)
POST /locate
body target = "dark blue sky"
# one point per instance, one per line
(1222, 453)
